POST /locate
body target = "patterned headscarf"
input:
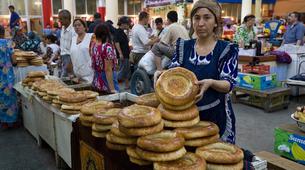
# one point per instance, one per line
(215, 8)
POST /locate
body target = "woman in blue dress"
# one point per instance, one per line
(8, 98)
(214, 62)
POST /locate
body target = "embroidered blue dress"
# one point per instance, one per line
(220, 64)
(8, 98)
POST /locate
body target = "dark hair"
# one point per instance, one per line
(248, 17)
(109, 22)
(65, 13)
(143, 15)
(172, 16)
(297, 15)
(97, 16)
(81, 21)
(51, 37)
(2, 31)
(102, 33)
(158, 21)
(11, 6)
(123, 20)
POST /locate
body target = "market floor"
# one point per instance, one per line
(19, 150)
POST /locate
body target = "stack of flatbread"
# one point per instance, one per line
(26, 58)
(32, 77)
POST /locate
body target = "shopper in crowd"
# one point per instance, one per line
(43, 46)
(104, 62)
(48, 30)
(166, 46)
(8, 96)
(80, 55)
(122, 45)
(245, 33)
(56, 31)
(19, 37)
(214, 62)
(66, 35)
(295, 31)
(97, 20)
(53, 50)
(15, 18)
(228, 29)
(140, 39)
(159, 27)
(52, 53)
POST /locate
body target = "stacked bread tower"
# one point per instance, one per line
(26, 58)
(32, 77)
(87, 115)
(103, 121)
(176, 90)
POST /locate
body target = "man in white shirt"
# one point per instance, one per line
(65, 42)
(166, 46)
(140, 39)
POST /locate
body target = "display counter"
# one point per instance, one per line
(47, 123)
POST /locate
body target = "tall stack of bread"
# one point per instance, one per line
(102, 121)
(176, 90)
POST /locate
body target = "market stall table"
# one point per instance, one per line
(269, 100)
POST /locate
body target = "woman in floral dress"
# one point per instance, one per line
(8, 98)
(104, 62)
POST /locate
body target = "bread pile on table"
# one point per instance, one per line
(133, 121)
(89, 118)
(27, 58)
(163, 146)
(201, 134)
(72, 102)
(32, 77)
(54, 93)
(221, 155)
(176, 90)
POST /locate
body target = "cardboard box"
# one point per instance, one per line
(258, 69)
(290, 142)
(275, 162)
(257, 82)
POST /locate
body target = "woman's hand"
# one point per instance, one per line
(156, 76)
(203, 85)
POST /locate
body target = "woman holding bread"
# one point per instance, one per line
(214, 62)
